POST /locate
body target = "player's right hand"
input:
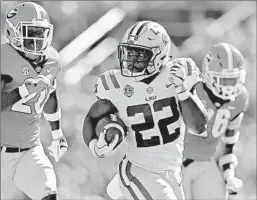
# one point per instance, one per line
(33, 85)
(177, 75)
(233, 185)
(100, 148)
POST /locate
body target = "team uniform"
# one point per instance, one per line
(201, 148)
(29, 170)
(203, 166)
(154, 142)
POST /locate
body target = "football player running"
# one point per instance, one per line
(206, 175)
(150, 93)
(29, 66)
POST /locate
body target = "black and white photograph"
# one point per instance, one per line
(128, 100)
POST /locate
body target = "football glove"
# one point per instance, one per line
(233, 184)
(100, 148)
(33, 85)
(177, 76)
(58, 148)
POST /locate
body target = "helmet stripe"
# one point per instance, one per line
(138, 27)
(229, 55)
(37, 8)
(141, 27)
(132, 29)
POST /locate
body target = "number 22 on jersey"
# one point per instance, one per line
(151, 120)
(37, 101)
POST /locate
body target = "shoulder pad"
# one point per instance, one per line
(52, 64)
(8, 57)
(106, 84)
(53, 57)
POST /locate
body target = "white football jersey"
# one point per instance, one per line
(151, 112)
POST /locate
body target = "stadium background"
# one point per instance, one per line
(86, 34)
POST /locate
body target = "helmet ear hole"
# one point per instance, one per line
(8, 32)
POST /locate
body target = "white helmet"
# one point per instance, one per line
(28, 28)
(224, 70)
(143, 50)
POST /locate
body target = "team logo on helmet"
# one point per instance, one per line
(12, 13)
(128, 91)
(165, 39)
(25, 71)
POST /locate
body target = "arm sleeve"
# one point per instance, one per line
(99, 109)
(194, 114)
(229, 160)
(52, 111)
(6, 78)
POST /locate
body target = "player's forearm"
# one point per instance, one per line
(10, 98)
(193, 112)
(229, 159)
(88, 130)
(52, 113)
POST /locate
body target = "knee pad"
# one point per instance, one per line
(51, 197)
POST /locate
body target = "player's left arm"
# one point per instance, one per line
(228, 162)
(52, 113)
(52, 109)
(185, 76)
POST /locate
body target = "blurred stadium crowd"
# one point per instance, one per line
(86, 34)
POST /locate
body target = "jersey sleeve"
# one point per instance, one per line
(5, 62)
(107, 85)
(240, 106)
(6, 78)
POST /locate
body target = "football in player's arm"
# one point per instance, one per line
(228, 162)
(192, 109)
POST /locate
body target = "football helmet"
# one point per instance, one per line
(224, 70)
(143, 50)
(28, 28)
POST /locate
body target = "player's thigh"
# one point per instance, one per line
(113, 188)
(186, 182)
(35, 175)
(189, 173)
(210, 184)
(8, 188)
(137, 183)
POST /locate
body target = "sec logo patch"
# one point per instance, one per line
(25, 71)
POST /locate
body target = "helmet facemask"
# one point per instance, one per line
(226, 85)
(32, 37)
(135, 60)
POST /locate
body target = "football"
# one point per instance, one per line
(113, 125)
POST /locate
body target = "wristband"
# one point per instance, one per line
(229, 172)
(184, 95)
(57, 134)
(53, 116)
